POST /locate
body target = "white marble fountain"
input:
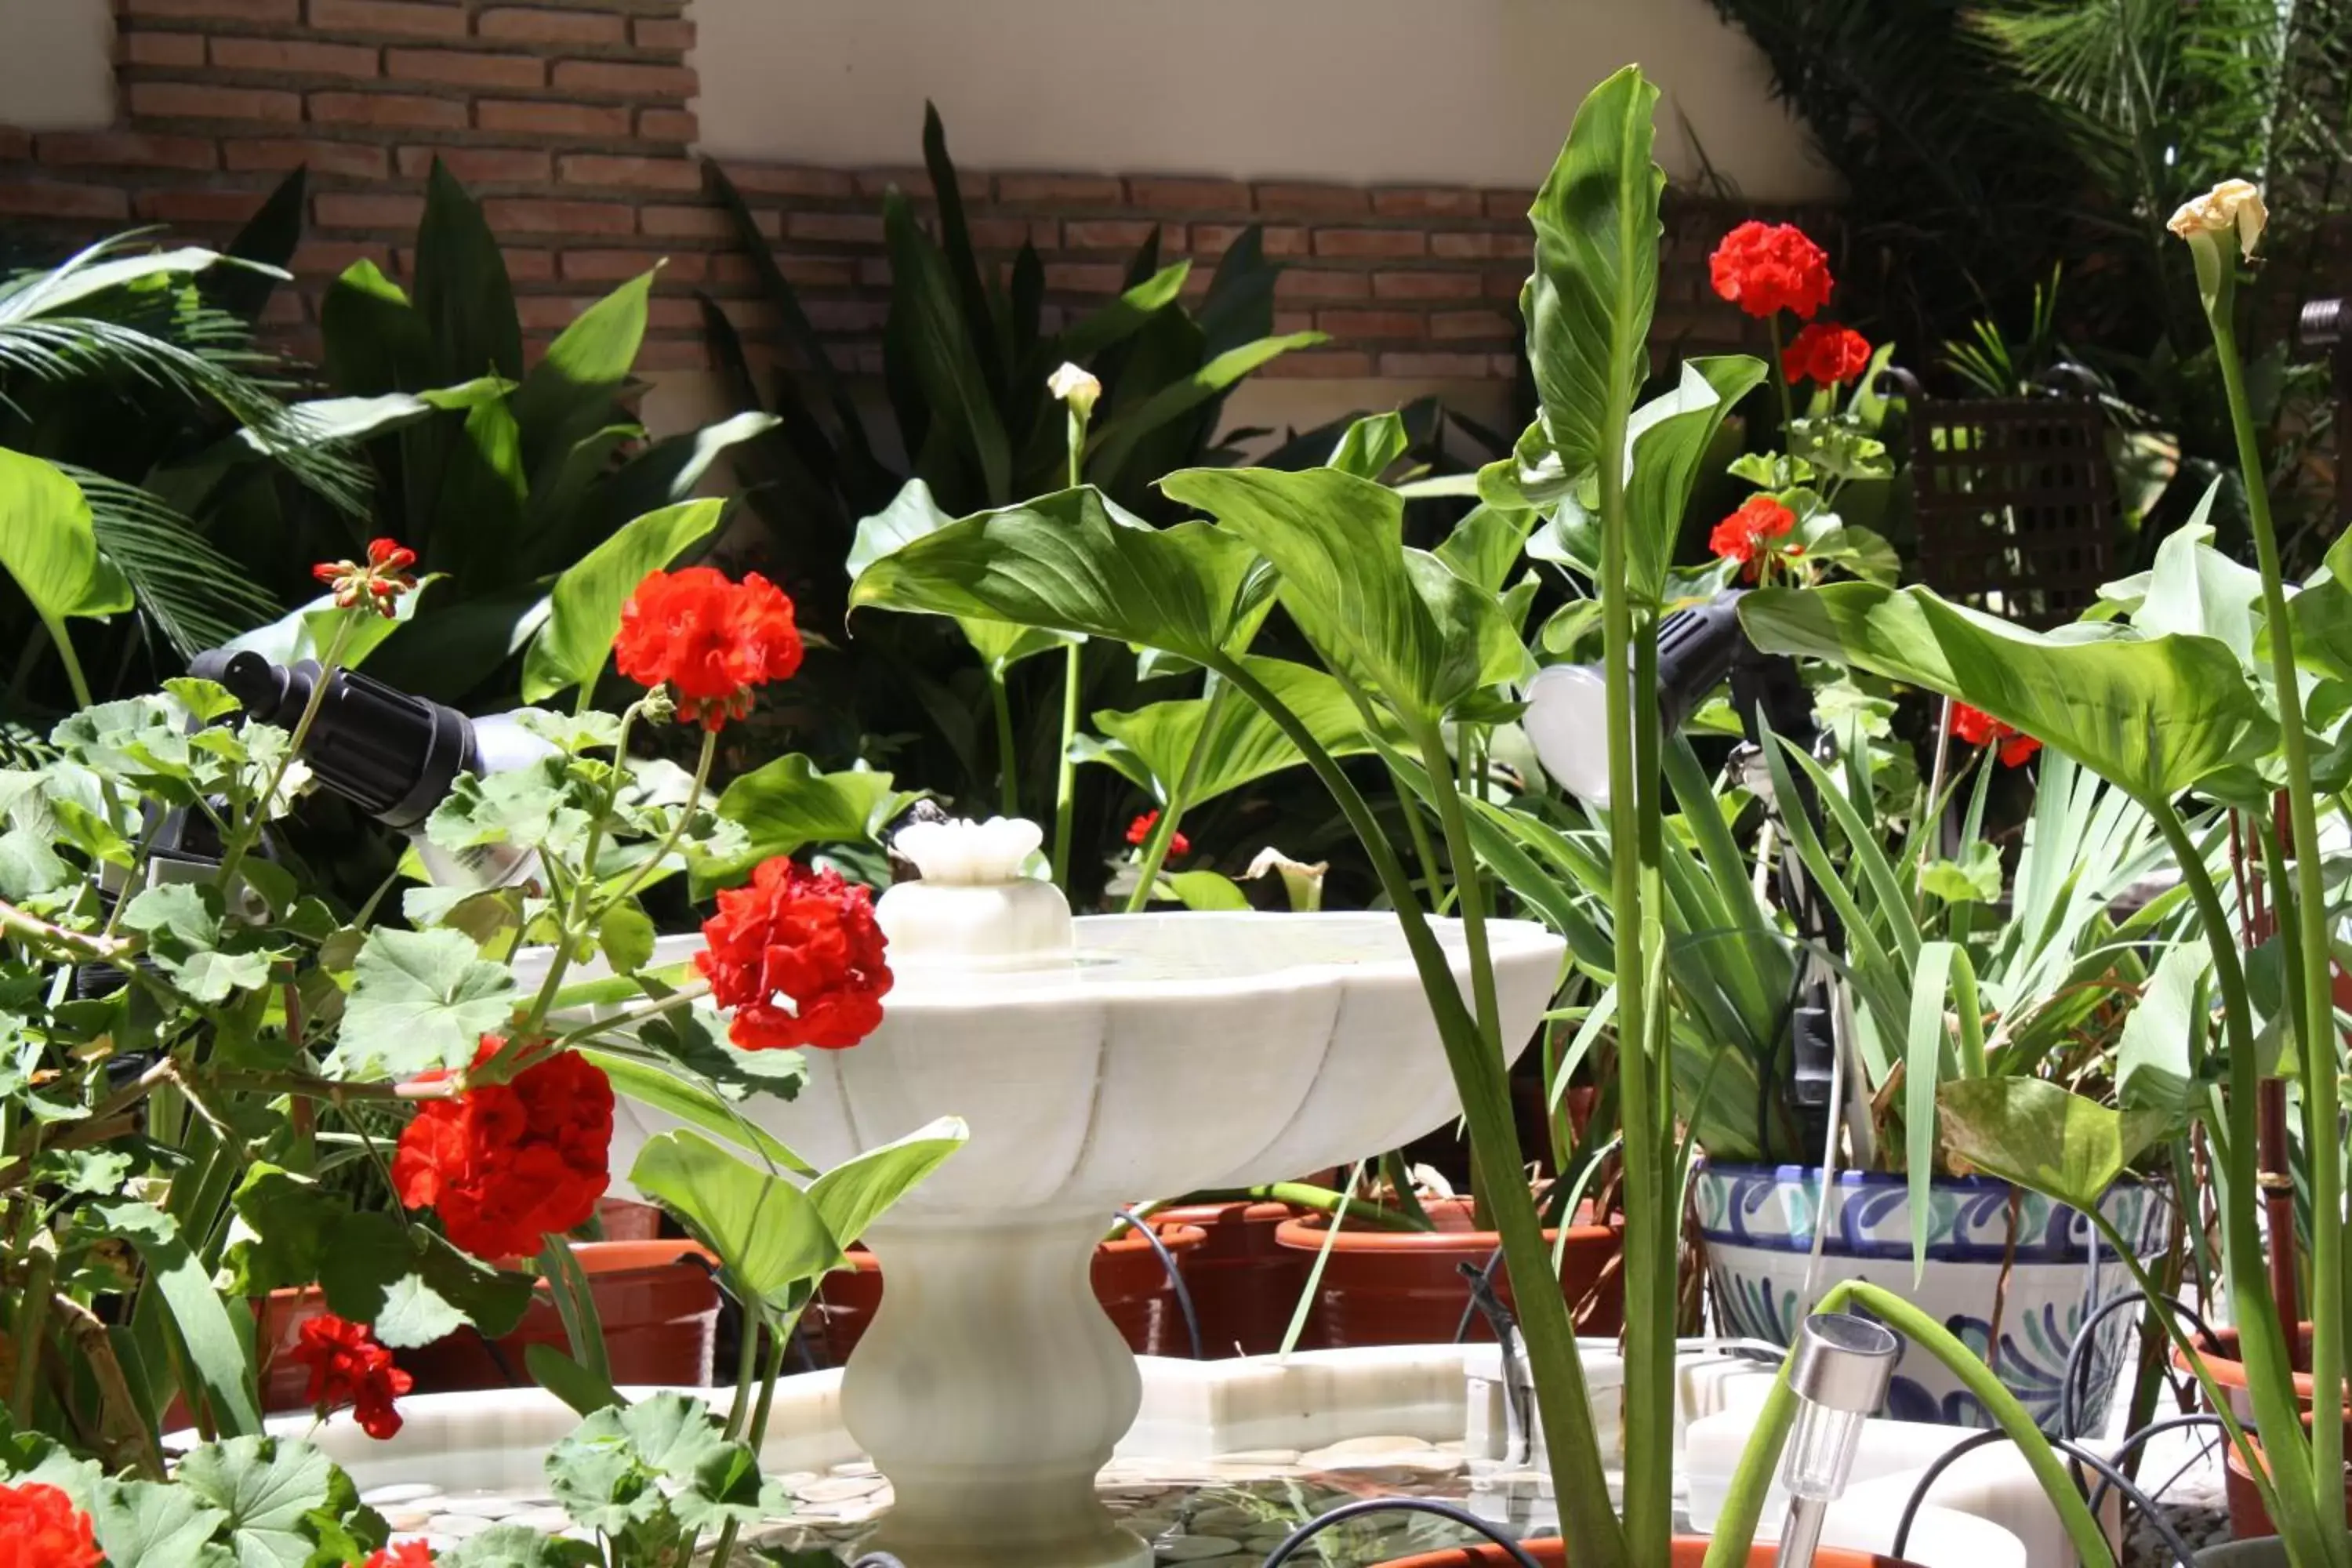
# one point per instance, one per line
(1099, 1062)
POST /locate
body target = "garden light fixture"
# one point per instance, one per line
(1839, 1371)
(1568, 703)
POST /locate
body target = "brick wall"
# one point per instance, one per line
(571, 120)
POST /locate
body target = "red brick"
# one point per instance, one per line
(1012, 233)
(1297, 283)
(1085, 276)
(1060, 190)
(330, 258)
(673, 353)
(1161, 194)
(46, 198)
(529, 266)
(853, 228)
(1480, 244)
(1436, 366)
(790, 180)
(1216, 238)
(847, 317)
(398, 108)
(194, 100)
(1459, 324)
(622, 80)
(1372, 323)
(532, 215)
(1371, 242)
(1118, 234)
(14, 143)
(675, 313)
(1319, 364)
(223, 10)
(669, 125)
(664, 33)
(736, 269)
(618, 266)
(68, 149)
(480, 165)
(638, 174)
(1316, 201)
(532, 24)
(339, 209)
(874, 271)
(1426, 201)
(283, 308)
(755, 319)
(550, 119)
(1287, 321)
(353, 160)
(291, 56)
(701, 223)
(1511, 204)
(409, 18)
(199, 206)
(1425, 285)
(144, 48)
(1505, 285)
(800, 271)
(915, 184)
(463, 68)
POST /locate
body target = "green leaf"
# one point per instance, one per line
(692, 1103)
(566, 1379)
(668, 470)
(2154, 715)
(267, 1488)
(769, 1237)
(787, 805)
(857, 1191)
(1588, 303)
(570, 391)
(306, 632)
(518, 1546)
(48, 546)
(1976, 880)
(1065, 563)
(1393, 618)
(1924, 1057)
(328, 421)
(284, 1226)
(2032, 1132)
(912, 514)
(462, 296)
(2193, 588)
(413, 1286)
(626, 935)
(419, 1000)
(1370, 444)
(1244, 745)
(219, 1362)
(1669, 438)
(1486, 547)
(584, 606)
(1110, 450)
(533, 807)
(1124, 316)
(2162, 1034)
(147, 1524)
(926, 320)
(1206, 891)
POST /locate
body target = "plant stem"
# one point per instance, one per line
(1780, 382)
(1065, 766)
(577, 910)
(1163, 832)
(2316, 1032)
(575, 1304)
(677, 829)
(74, 677)
(1008, 784)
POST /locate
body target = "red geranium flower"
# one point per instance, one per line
(1140, 829)
(1764, 267)
(1978, 728)
(1827, 353)
(40, 1528)
(797, 956)
(378, 583)
(407, 1555)
(505, 1163)
(712, 640)
(1748, 533)
(348, 1367)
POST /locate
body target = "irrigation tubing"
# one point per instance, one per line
(2077, 1380)
(1175, 1278)
(2182, 1551)
(1345, 1512)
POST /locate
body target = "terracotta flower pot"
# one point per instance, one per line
(1405, 1287)
(1689, 1551)
(1245, 1283)
(1129, 1280)
(2249, 1520)
(625, 1221)
(658, 1304)
(2222, 1363)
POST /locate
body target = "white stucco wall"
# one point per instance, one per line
(1360, 91)
(57, 71)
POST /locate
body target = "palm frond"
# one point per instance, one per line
(194, 595)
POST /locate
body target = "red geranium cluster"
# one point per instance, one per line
(407, 1555)
(712, 640)
(377, 584)
(348, 1367)
(1766, 267)
(1978, 728)
(40, 1528)
(505, 1163)
(1826, 352)
(1746, 535)
(1139, 831)
(797, 956)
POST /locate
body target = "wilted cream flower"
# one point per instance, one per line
(2232, 203)
(1075, 387)
(1301, 881)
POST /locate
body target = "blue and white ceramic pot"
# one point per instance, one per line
(1759, 1224)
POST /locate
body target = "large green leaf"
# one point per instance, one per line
(2032, 1132)
(926, 320)
(219, 1348)
(912, 514)
(419, 1000)
(48, 546)
(1124, 316)
(769, 1237)
(1669, 436)
(570, 391)
(463, 295)
(859, 1190)
(1153, 745)
(2153, 714)
(788, 804)
(2194, 588)
(2156, 1054)
(690, 1103)
(584, 607)
(267, 1488)
(1589, 301)
(669, 470)
(1065, 563)
(1395, 618)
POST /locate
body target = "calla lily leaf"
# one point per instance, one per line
(1153, 745)
(2153, 714)
(1667, 441)
(913, 514)
(2032, 1132)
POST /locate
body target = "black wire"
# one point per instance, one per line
(2077, 1379)
(1345, 1512)
(1175, 1278)
(2155, 1428)
(2181, 1549)
(1470, 1307)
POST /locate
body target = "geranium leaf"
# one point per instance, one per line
(419, 1000)
(266, 1488)
(146, 1524)
(518, 1546)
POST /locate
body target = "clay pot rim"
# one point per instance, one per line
(596, 1258)
(1257, 1211)
(1687, 1551)
(2223, 1364)
(1177, 1239)
(1308, 1232)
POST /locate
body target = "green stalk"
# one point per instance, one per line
(2316, 1032)
(1780, 381)
(1563, 1397)
(1163, 832)
(74, 677)
(575, 1304)
(232, 854)
(1065, 766)
(1468, 891)
(1651, 1251)
(1008, 783)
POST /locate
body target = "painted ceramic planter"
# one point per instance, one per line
(1759, 1222)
